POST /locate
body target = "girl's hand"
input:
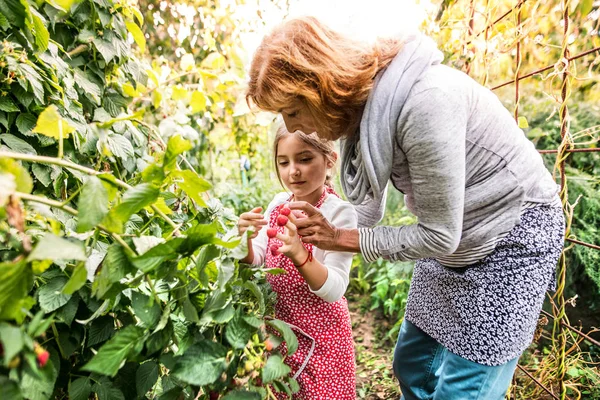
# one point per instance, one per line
(251, 218)
(314, 228)
(292, 246)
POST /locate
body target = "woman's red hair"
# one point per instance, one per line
(302, 59)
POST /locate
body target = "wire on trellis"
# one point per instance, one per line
(562, 331)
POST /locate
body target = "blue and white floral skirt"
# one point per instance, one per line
(487, 312)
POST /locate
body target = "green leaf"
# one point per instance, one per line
(585, 6)
(106, 390)
(12, 341)
(137, 34)
(21, 176)
(288, 335)
(120, 146)
(52, 247)
(50, 123)
(255, 290)
(189, 311)
(17, 144)
(106, 48)
(16, 280)
(80, 389)
(214, 61)
(6, 104)
(175, 147)
(38, 324)
(145, 377)
(157, 255)
(202, 364)
(242, 395)
(523, 124)
(110, 356)
(207, 254)
(67, 312)
(50, 296)
(198, 102)
(39, 385)
(135, 199)
(274, 369)
(93, 204)
(146, 309)
(34, 79)
(89, 88)
(77, 280)
(9, 389)
(41, 32)
(102, 329)
(238, 332)
(192, 184)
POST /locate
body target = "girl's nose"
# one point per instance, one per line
(295, 171)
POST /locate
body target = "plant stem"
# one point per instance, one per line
(58, 204)
(55, 331)
(77, 167)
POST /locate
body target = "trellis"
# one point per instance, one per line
(567, 147)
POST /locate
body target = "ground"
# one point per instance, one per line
(374, 377)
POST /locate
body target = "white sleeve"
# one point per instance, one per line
(337, 263)
(259, 243)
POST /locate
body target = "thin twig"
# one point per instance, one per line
(538, 382)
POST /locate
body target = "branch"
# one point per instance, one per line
(77, 167)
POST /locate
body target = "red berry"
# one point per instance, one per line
(285, 210)
(282, 220)
(272, 232)
(42, 358)
(274, 249)
(213, 395)
(268, 345)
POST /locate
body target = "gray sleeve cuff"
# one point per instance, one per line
(368, 245)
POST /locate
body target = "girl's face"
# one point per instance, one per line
(302, 168)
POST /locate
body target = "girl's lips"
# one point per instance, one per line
(297, 183)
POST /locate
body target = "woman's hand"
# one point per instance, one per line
(252, 218)
(314, 228)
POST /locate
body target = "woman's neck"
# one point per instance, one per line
(312, 198)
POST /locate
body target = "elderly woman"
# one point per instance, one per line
(490, 226)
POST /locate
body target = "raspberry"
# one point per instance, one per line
(285, 210)
(42, 358)
(274, 249)
(272, 232)
(268, 345)
(282, 220)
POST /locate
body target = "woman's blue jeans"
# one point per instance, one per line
(426, 370)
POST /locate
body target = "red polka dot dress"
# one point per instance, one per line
(330, 370)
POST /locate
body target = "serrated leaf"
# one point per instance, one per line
(274, 369)
(145, 377)
(106, 48)
(146, 310)
(17, 145)
(110, 356)
(52, 247)
(9, 389)
(33, 79)
(50, 296)
(137, 34)
(41, 32)
(50, 123)
(238, 332)
(286, 332)
(80, 389)
(93, 204)
(88, 87)
(6, 104)
(202, 364)
(157, 255)
(25, 123)
(106, 390)
(120, 146)
(101, 329)
(192, 184)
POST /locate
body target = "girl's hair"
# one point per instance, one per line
(325, 147)
(302, 59)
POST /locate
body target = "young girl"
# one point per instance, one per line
(310, 294)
